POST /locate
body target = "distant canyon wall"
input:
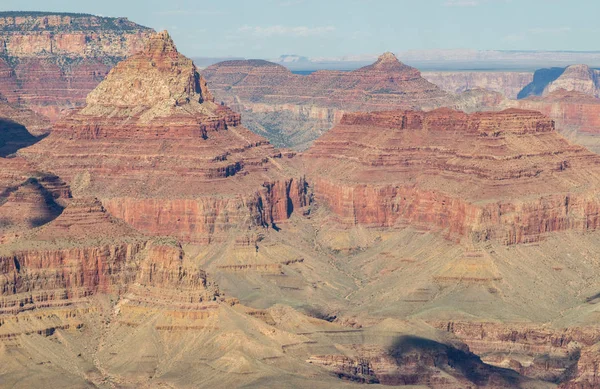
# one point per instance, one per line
(51, 62)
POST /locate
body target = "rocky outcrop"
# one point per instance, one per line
(509, 84)
(575, 113)
(413, 360)
(550, 354)
(85, 251)
(508, 175)
(577, 78)
(51, 61)
(162, 155)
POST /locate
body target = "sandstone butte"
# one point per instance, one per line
(503, 175)
(159, 153)
(292, 110)
(51, 61)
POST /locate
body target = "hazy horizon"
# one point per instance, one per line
(270, 28)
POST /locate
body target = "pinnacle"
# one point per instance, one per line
(159, 43)
(387, 57)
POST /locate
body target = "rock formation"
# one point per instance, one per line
(575, 113)
(164, 157)
(51, 61)
(507, 175)
(575, 78)
(403, 248)
(83, 252)
(509, 84)
(293, 110)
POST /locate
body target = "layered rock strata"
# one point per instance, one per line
(509, 84)
(508, 175)
(576, 114)
(153, 145)
(51, 61)
(293, 110)
(85, 251)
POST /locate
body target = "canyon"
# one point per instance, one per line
(150, 239)
(292, 110)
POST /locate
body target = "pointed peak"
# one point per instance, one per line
(160, 43)
(387, 57)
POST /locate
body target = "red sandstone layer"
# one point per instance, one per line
(51, 62)
(160, 153)
(507, 175)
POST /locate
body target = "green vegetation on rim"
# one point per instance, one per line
(4, 14)
(79, 21)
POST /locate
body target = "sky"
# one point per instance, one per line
(335, 28)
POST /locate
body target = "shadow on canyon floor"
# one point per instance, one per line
(459, 363)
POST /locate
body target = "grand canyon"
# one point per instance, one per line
(242, 225)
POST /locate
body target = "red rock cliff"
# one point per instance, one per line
(85, 251)
(162, 155)
(49, 62)
(506, 175)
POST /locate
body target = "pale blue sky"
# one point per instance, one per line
(317, 28)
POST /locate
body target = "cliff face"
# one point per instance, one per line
(155, 141)
(85, 251)
(509, 84)
(49, 62)
(483, 176)
(575, 113)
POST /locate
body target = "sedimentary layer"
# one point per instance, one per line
(293, 110)
(51, 61)
(153, 145)
(506, 175)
